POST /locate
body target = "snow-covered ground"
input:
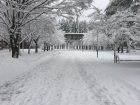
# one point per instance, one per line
(69, 77)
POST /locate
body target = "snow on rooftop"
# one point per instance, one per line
(75, 33)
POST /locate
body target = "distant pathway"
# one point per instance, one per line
(67, 79)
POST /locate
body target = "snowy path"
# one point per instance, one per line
(67, 80)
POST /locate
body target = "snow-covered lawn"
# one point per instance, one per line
(69, 77)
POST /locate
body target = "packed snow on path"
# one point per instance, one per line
(67, 78)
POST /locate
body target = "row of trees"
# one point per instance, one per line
(42, 30)
(17, 15)
(119, 25)
(70, 26)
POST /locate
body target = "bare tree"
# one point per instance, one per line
(14, 14)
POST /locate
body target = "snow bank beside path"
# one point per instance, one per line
(109, 55)
(133, 55)
(12, 67)
(128, 71)
(109, 89)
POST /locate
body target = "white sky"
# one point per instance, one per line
(101, 4)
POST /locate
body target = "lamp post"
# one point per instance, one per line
(97, 44)
(115, 59)
(82, 44)
(2, 43)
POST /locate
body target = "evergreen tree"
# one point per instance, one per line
(118, 5)
(71, 26)
(74, 27)
(85, 26)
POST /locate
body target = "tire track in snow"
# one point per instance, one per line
(65, 80)
(37, 87)
(75, 91)
(92, 80)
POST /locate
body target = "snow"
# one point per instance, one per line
(75, 33)
(10, 67)
(69, 77)
(126, 70)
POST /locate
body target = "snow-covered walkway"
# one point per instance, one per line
(67, 78)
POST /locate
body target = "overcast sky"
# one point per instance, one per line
(101, 4)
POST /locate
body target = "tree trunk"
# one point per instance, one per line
(118, 49)
(47, 48)
(29, 46)
(44, 47)
(14, 41)
(36, 45)
(29, 50)
(14, 46)
(128, 45)
(23, 46)
(122, 49)
(36, 48)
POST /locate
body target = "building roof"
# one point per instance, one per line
(75, 34)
